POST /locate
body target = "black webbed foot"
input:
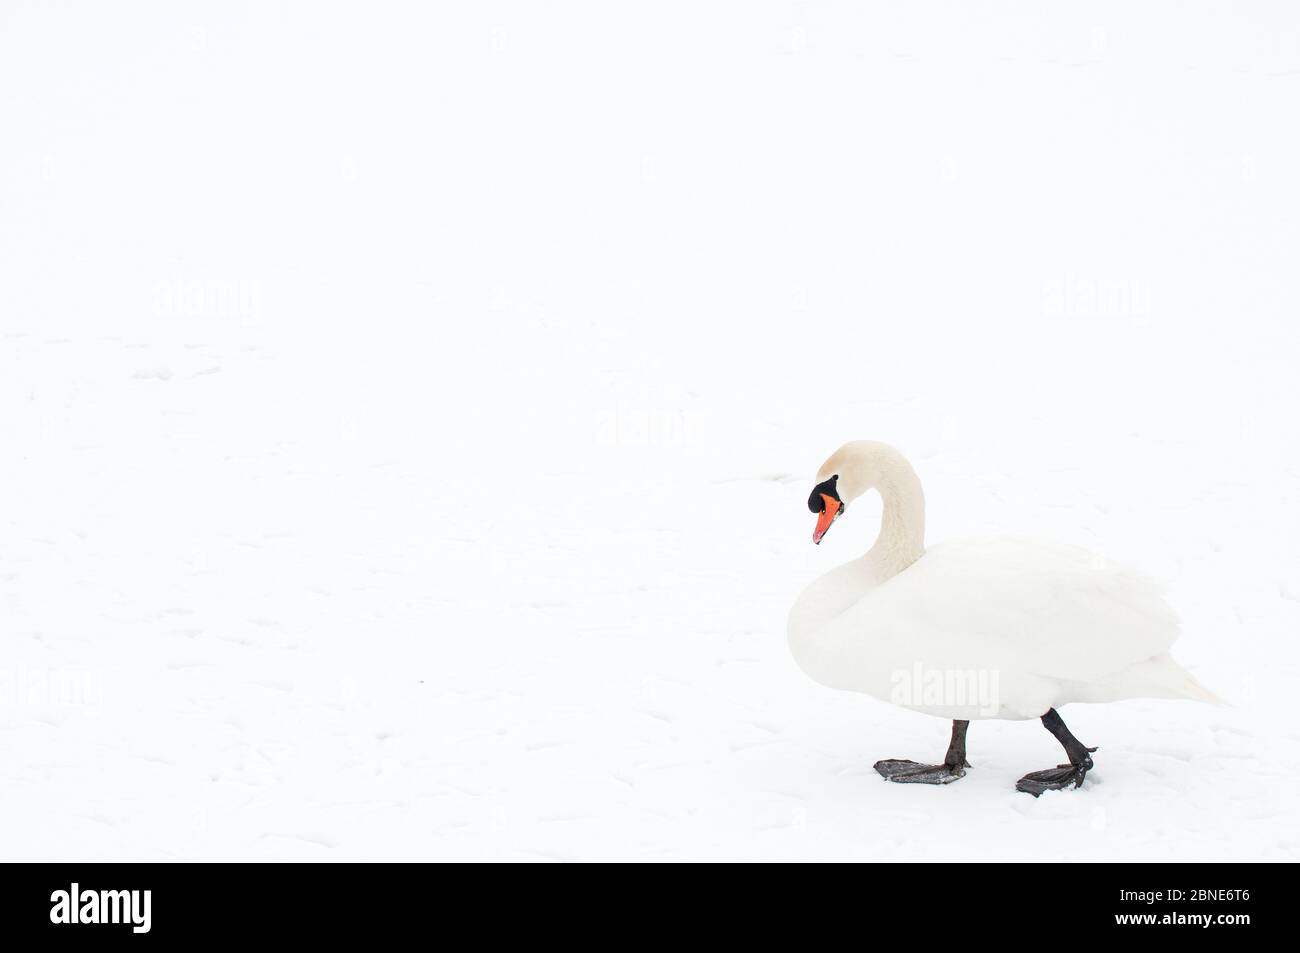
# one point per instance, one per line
(911, 772)
(1063, 775)
(1055, 779)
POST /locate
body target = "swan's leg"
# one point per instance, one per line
(954, 763)
(1064, 775)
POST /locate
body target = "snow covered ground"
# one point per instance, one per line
(408, 416)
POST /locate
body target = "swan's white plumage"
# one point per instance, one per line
(1043, 624)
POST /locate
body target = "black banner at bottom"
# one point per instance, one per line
(1075, 903)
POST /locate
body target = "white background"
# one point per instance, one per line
(408, 410)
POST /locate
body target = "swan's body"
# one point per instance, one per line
(1024, 625)
(990, 628)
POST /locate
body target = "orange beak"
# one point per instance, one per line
(826, 517)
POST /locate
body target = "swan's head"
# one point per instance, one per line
(852, 470)
(826, 503)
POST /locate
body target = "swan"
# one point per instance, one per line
(973, 629)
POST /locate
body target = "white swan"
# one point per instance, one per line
(987, 628)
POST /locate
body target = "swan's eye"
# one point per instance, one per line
(827, 487)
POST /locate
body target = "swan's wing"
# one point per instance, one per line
(1018, 605)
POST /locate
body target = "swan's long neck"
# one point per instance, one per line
(902, 525)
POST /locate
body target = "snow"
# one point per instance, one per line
(410, 415)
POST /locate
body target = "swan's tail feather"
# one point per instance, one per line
(1159, 677)
(1196, 691)
(1162, 677)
